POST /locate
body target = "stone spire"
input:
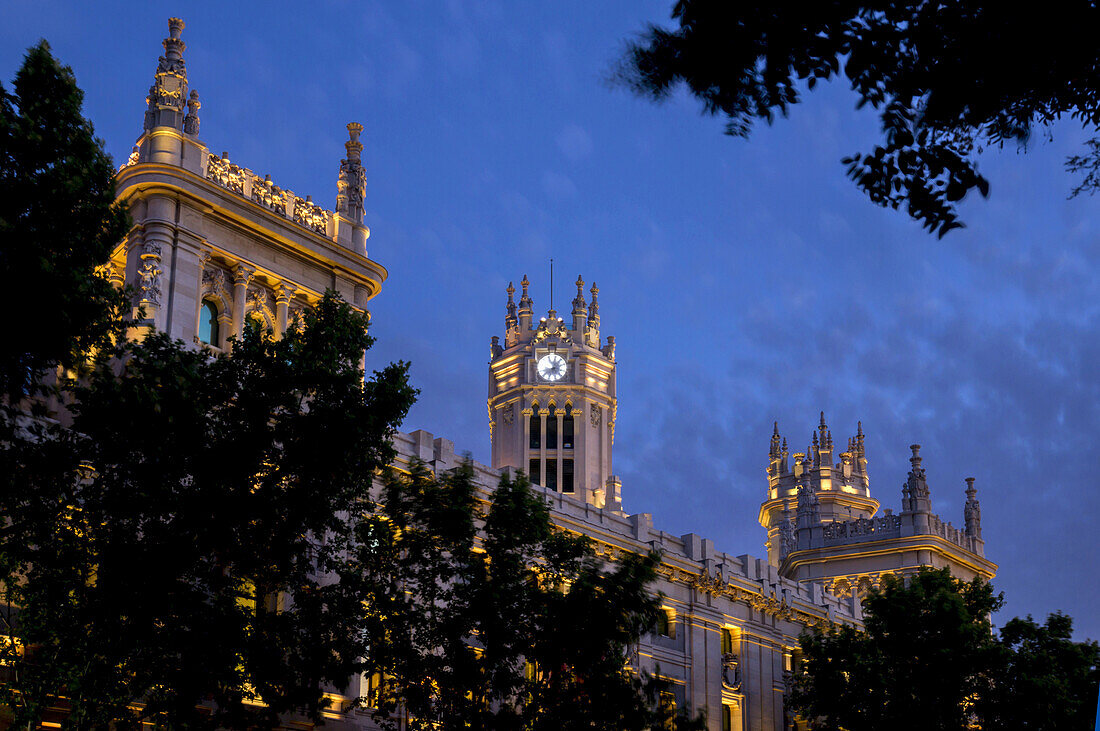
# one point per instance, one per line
(351, 189)
(580, 307)
(511, 322)
(915, 492)
(526, 305)
(972, 511)
(592, 328)
(168, 95)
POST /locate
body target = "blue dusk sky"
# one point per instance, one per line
(745, 281)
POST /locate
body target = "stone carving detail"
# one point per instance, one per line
(862, 527)
(214, 281)
(149, 281)
(310, 215)
(509, 414)
(594, 415)
(972, 512)
(787, 541)
(731, 670)
(269, 195)
(242, 181)
(191, 121)
(258, 301)
(149, 272)
(351, 187)
(226, 174)
(168, 94)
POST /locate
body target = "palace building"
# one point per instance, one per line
(214, 244)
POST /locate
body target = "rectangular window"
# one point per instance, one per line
(727, 641)
(552, 430)
(567, 475)
(551, 474)
(533, 472)
(567, 430)
(535, 425)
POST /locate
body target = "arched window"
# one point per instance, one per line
(208, 323)
(552, 428)
(567, 428)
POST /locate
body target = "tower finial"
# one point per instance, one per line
(972, 511)
(822, 419)
(168, 94)
(580, 307)
(351, 188)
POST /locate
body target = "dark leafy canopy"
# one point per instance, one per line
(1045, 680)
(58, 222)
(183, 543)
(928, 660)
(948, 78)
(921, 660)
(520, 629)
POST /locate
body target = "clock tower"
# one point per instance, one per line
(552, 398)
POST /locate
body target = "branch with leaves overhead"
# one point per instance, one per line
(948, 79)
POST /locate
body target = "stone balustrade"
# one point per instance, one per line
(890, 526)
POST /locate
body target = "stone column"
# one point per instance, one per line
(242, 275)
(283, 294)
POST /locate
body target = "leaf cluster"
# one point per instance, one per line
(175, 555)
(490, 617)
(946, 77)
(59, 221)
(928, 658)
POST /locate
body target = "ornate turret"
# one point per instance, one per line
(841, 490)
(552, 399)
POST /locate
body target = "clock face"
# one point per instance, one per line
(552, 367)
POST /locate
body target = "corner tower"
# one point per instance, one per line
(552, 398)
(842, 489)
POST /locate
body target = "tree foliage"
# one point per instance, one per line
(495, 619)
(928, 659)
(183, 543)
(1044, 681)
(58, 222)
(946, 77)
